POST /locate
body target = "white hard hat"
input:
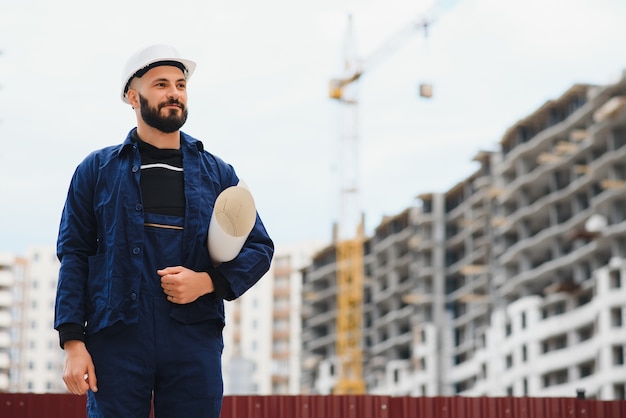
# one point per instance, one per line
(152, 56)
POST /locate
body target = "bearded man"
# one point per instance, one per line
(139, 304)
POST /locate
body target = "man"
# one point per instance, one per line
(139, 305)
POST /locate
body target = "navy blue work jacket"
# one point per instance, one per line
(100, 240)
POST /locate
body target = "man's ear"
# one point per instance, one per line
(133, 97)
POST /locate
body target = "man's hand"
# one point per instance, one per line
(79, 373)
(182, 285)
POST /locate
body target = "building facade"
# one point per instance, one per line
(559, 247)
(31, 360)
(40, 365)
(11, 277)
(262, 337)
(510, 283)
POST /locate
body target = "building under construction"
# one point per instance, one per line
(510, 283)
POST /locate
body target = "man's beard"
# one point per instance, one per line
(168, 124)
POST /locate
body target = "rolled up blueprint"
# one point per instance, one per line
(233, 218)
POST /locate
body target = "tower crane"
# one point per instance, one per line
(349, 235)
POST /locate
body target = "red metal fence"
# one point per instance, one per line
(18, 405)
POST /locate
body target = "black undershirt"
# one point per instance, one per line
(162, 181)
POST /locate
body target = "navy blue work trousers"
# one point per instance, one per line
(159, 362)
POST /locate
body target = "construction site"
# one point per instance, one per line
(505, 292)
(509, 284)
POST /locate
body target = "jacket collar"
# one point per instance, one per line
(186, 141)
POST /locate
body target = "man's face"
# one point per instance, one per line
(163, 98)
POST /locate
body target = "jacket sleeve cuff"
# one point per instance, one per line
(222, 287)
(69, 331)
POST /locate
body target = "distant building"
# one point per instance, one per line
(262, 337)
(27, 338)
(510, 283)
(247, 341)
(11, 278)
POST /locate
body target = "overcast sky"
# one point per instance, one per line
(258, 98)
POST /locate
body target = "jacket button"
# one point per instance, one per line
(138, 207)
(133, 296)
(136, 250)
(135, 169)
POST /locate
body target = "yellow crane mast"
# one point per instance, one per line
(349, 235)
